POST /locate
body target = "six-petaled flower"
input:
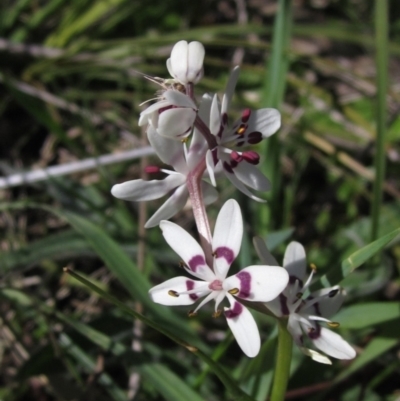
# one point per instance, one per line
(253, 283)
(306, 314)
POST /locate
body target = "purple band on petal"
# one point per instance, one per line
(226, 253)
(245, 284)
(228, 167)
(195, 262)
(314, 334)
(190, 286)
(283, 304)
(235, 311)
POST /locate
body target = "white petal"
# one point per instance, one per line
(147, 114)
(188, 249)
(210, 167)
(258, 283)
(263, 253)
(140, 190)
(168, 150)
(179, 99)
(276, 306)
(244, 328)
(169, 68)
(195, 62)
(238, 184)
(251, 176)
(170, 207)
(266, 121)
(294, 260)
(227, 237)
(230, 89)
(159, 293)
(331, 300)
(186, 61)
(316, 356)
(215, 116)
(176, 123)
(210, 194)
(333, 345)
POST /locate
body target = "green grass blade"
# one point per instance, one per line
(167, 383)
(335, 275)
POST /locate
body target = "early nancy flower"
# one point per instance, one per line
(305, 314)
(186, 62)
(254, 283)
(172, 153)
(239, 165)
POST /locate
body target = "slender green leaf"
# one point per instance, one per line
(168, 384)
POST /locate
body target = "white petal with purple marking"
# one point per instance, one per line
(258, 283)
(333, 345)
(266, 121)
(159, 294)
(243, 327)
(227, 237)
(188, 249)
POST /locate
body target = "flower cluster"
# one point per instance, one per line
(200, 145)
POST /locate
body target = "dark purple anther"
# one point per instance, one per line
(190, 286)
(246, 115)
(235, 311)
(245, 284)
(236, 156)
(251, 157)
(254, 137)
(195, 262)
(226, 253)
(152, 169)
(224, 119)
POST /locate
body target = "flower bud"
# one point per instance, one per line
(186, 62)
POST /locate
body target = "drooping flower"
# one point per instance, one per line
(186, 62)
(239, 165)
(307, 314)
(171, 116)
(253, 283)
(172, 153)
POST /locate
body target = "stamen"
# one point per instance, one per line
(333, 325)
(192, 313)
(182, 264)
(241, 130)
(313, 267)
(173, 293)
(217, 313)
(184, 140)
(299, 295)
(234, 291)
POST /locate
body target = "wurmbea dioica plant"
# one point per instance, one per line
(201, 146)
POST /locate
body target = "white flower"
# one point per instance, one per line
(172, 116)
(172, 153)
(186, 62)
(305, 315)
(253, 126)
(254, 283)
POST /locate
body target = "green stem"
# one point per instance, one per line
(282, 364)
(381, 37)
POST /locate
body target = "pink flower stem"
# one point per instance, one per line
(199, 210)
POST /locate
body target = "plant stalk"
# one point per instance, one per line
(282, 364)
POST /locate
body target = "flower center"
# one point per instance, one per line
(216, 285)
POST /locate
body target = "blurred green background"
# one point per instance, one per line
(71, 89)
